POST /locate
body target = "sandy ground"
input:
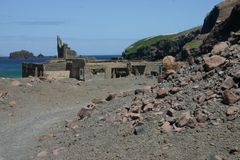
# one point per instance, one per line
(32, 107)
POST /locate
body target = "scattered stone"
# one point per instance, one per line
(148, 107)
(91, 106)
(79, 83)
(98, 101)
(167, 127)
(15, 83)
(10, 114)
(135, 116)
(201, 115)
(163, 92)
(138, 129)
(70, 124)
(3, 94)
(46, 137)
(56, 152)
(213, 62)
(234, 151)
(202, 98)
(170, 112)
(111, 97)
(42, 154)
(214, 157)
(146, 89)
(170, 72)
(236, 77)
(84, 112)
(126, 93)
(228, 83)
(220, 47)
(138, 91)
(29, 85)
(232, 110)
(135, 108)
(229, 97)
(13, 104)
(184, 119)
(174, 90)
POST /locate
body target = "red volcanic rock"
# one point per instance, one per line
(163, 92)
(213, 62)
(229, 97)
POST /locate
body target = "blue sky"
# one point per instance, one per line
(93, 26)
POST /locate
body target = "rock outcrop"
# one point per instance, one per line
(63, 50)
(218, 15)
(22, 54)
(40, 56)
(220, 25)
(227, 22)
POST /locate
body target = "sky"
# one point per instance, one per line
(93, 27)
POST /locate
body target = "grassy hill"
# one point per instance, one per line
(156, 47)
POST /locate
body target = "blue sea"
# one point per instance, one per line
(12, 68)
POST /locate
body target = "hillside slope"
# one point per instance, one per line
(219, 26)
(153, 48)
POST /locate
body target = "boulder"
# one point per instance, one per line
(227, 21)
(213, 62)
(229, 97)
(162, 92)
(228, 83)
(232, 111)
(184, 119)
(219, 14)
(220, 47)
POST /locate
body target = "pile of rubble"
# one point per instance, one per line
(206, 92)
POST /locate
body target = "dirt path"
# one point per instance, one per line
(40, 105)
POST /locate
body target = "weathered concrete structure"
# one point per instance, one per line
(68, 66)
(83, 69)
(55, 68)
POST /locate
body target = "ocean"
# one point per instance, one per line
(12, 68)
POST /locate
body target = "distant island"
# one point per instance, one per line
(23, 54)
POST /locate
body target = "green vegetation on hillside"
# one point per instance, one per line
(193, 44)
(156, 47)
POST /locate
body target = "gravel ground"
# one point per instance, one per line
(31, 107)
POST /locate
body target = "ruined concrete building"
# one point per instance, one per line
(84, 69)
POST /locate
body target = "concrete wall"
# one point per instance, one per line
(55, 66)
(32, 69)
(57, 69)
(77, 68)
(81, 69)
(58, 74)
